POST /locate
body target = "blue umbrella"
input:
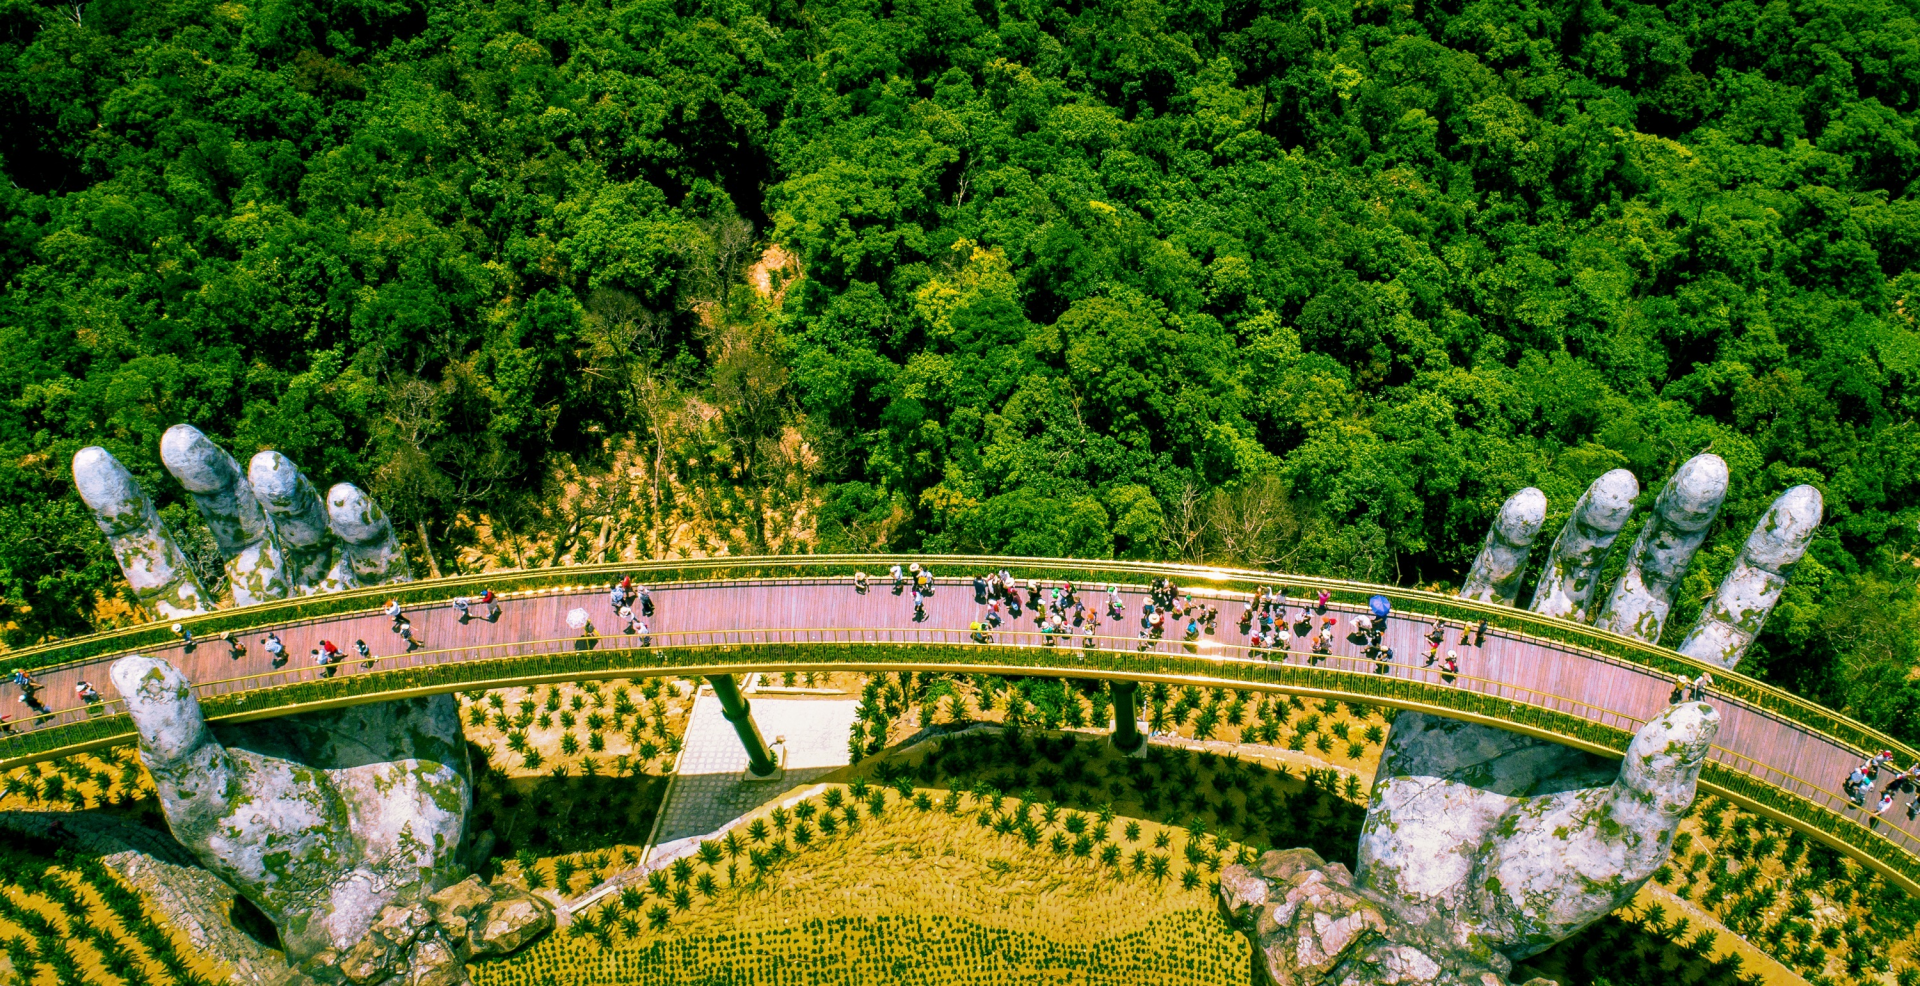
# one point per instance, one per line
(1380, 607)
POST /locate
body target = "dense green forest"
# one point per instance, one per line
(1302, 283)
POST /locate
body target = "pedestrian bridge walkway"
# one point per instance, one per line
(1776, 754)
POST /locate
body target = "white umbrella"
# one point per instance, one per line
(577, 619)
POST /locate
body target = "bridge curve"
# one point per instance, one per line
(1775, 754)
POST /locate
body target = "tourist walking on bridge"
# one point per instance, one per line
(276, 651)
(405, 629)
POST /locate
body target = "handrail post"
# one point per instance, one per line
(735, 708)
(1126, 710)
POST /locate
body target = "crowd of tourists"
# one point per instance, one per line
(1065, 612)
(1859, 785)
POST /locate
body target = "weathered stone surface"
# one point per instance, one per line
(320, 820)
(154, 566)
(274, 531)
(1573, 567)
(1759, 575)
(1681, 519)
(256, 566)
(1311, 926)
(371, 960)
(435, 962)
(1502, 845)
(455, 908)
(373, 553)
(1496, 572)
(512, 920)
(310, 547)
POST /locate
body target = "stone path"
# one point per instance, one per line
(710, 787)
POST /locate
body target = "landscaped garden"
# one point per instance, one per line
(987, 833)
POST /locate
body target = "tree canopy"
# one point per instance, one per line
(1310, 284)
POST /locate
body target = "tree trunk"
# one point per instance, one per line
(426, 547)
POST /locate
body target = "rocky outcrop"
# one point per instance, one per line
(1311, 926)
(430, 944)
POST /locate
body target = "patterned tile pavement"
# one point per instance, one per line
(809, 735)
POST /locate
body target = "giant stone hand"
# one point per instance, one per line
(1502, 845)
(1497, 845)
(1481, 847)
(322, 820)
(270, 526)
(327, 821)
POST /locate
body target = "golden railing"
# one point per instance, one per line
(1175, 661)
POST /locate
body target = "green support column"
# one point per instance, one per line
(759, 758)
(1126, 714)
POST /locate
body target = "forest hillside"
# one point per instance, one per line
(1309, 284)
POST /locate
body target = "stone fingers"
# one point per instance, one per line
(373, 553)
(310, 546)
(1681, 518)
(153, 564)
(1496, 573)
(1567, 583)
(1759, 575)
(192, 769)
(1565, 860)
(256, 566)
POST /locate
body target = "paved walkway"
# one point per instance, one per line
(711, 789)
(1508, 675)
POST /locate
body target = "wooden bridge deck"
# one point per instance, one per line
(1752, 741)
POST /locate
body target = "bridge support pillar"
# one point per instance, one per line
(1126, 714)
(735, 708)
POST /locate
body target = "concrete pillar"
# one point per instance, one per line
(734, 707)
(1126, 715)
